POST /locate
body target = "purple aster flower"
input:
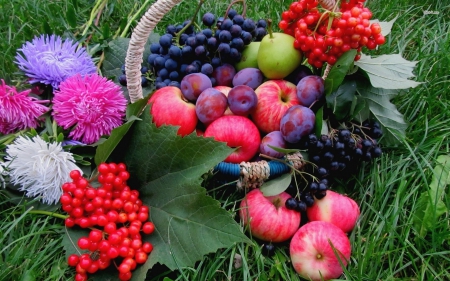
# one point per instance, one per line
(18, 110)
(91, 104)
(49, 60)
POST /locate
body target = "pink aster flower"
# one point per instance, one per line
(18, 110)
(91, 104)
(49, 60)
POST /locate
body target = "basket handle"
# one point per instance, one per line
(139, 37)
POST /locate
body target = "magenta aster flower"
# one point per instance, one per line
(49, 60)
(18, 110)
(91, 104)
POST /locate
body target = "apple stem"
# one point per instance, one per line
(269, 28)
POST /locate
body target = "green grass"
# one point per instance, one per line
(386, 246)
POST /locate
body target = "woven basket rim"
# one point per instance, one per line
(139, 37)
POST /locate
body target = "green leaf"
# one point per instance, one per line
(168, 169)
(388, 71)
(115, 55)
(318, 124)
(105, 149)
(277, 185)
(430, 204)
(71, 16)
(283, 150)
(339, 71)
(360, 110)
(380, 106)
(340, 101)
(386, 26)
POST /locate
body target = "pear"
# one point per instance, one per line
(249, 55)
(277, 57)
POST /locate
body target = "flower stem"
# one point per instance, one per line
(47, 213)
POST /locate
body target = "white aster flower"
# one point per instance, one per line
(40, 168)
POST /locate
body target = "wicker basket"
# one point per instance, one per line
(248, 174)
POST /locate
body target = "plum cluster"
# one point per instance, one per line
(182, 50)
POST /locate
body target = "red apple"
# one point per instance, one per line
(317, 250)
(238, 132)
(267, 217)
(275, 97)
(170, 107)
(335, 208)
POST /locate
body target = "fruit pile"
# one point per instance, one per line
(116, 219)
(325, 36)
(251, 90)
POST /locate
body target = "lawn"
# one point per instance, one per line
(393, 240)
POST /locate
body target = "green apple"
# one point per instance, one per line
(249, 55)
(277, 57)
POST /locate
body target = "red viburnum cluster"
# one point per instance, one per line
(324, 35)
(116, 217)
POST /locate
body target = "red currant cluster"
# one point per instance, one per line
(118, 210)
(325, 36)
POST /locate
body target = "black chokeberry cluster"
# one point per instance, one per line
(183, 50)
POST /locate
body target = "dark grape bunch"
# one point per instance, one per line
(340, 153)
(182, 50)
(334, 156)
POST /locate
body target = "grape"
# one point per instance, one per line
(246, 37)
(171, 65)
(159, 62)
(154, 48)
(207, 69)
(238, 19)
(190, 28)
(298, 121)
(200, 38)
(192, 85)
(262, 23)
(212, 43)
(191, 41)
(174, 76)
(151, 59)
(208, 19)
(200, 51)
(216, 61)
(210, 105)
(175, 84)
(235, 55)
(165, 41)
(235, 30)
(144, 81)
(310, 89)
(237, 43)
(226, 25)
(301, 206)
(159, 85)
(225, 36)
(242, 100)
(232, 13)
(171, 29)
(207, 32)
(248, 25)
(122, 68)
(260, 32)
(275, 139)
(224, 74)
(251, 77)
(163, 73)
(123, 80)
(224, 49)
(175, 52)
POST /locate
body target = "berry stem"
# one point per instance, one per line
(50, 214)
(244, 11)
(200, 3)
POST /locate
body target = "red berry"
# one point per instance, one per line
(140, 257)
(95, 235)
(83, 243)
(75, 175)
(73, 260)
(147, 247)
(103, 168)
(125, 276)
(69, 222)
(110, 228)
(148, 228)
(81, 277)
